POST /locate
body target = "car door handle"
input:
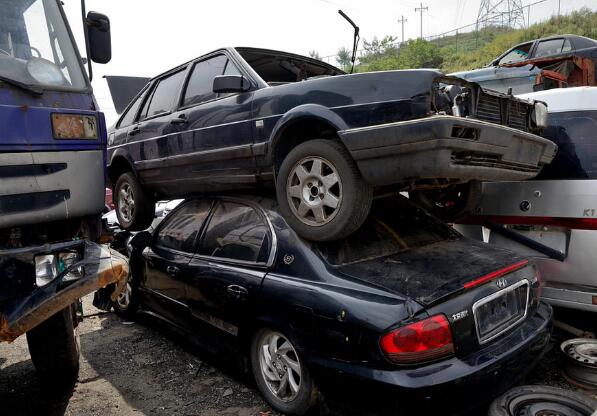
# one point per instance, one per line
(173, 270)
(134, 131)
(237, 291)
(181, 119)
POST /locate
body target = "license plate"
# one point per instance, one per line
(501, 311)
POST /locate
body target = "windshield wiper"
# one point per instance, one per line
(29, 88)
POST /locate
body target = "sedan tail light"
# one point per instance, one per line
(418, 342)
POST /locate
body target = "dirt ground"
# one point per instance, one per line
(130, 368)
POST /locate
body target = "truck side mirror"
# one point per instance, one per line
(231, 83)
(98, 35)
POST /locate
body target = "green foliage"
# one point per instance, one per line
(343, 58)
(314, 54)
(468, 50)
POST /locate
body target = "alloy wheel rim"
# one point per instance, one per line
(126, 205)
(314, 191)
(280, 366)
(124, 298)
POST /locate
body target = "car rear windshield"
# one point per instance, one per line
(394, 225)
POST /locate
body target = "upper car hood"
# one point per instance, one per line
(430, 273)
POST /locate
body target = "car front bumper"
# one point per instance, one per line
(446, 147)
(455, 385)
(102, 267)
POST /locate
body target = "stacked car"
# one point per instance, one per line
(294, 251)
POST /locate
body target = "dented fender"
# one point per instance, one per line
(103, 267)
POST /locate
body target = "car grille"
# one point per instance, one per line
(490, 161)
(502, 110)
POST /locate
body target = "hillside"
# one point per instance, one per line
(470, 50)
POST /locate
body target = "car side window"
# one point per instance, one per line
(567, 46)
(129, 116)
(236, 232)
(200, 85)
(517, 54)
(179, 229)
(163, 95)
(549, 47)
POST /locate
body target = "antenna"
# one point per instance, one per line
(504, 13)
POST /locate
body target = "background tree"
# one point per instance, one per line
(314, 54)
(343, 58)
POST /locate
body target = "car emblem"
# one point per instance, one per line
(288, 258)
(501, 283)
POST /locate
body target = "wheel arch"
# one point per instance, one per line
(119, 164)
(303, 123)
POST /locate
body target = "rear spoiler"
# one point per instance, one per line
(124, 89)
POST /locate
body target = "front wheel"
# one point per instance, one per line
(135, 210)
(54, 347)
(281, 377)
(321, 192)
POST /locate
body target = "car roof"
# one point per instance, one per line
(583, 40)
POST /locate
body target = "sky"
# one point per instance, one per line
(151, 36)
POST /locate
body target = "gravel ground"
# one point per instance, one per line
(130, 368)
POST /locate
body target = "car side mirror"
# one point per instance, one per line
(141, 240)
(231, 83)
(98, 37)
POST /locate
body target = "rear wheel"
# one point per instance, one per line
(542, 401)
(282, 378)
(126, 304)
(54, 347)
(451, 203)
(321, 192)
(134, 208)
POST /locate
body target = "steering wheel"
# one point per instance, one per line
(4, 52)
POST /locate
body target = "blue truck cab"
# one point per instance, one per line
(52, 179)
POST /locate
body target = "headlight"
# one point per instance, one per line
(45, 72)
(45, 269)
(74, 126)
(540, 114)
(48, 266)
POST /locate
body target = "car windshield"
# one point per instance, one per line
(393, 226)
(35, 47)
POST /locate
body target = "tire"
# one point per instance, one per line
(288, 401)
(452, 203)
(313, 177)
(54, 348)
(126, 305)
(135, 209)
(542, 400)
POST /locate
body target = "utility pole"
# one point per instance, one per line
(421, 9)
(402, 20)
(559, 6)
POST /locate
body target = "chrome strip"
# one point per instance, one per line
(496, 295)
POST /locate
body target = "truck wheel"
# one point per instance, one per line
(321, 192)
(54, 348)
(134, 208)
(452, 203)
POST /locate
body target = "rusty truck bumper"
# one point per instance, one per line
(97, 268)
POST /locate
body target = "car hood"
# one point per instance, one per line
(433, 272)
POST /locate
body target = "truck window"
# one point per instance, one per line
(163, 96)
(200, 85)
(549, 47)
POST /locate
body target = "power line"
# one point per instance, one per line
(421, 9)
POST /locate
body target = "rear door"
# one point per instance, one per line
(167, 260)
(151, 145)
(230, 266)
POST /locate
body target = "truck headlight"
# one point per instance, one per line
(74, 126)
(539, 115)
(45, 269)
(48, 266)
